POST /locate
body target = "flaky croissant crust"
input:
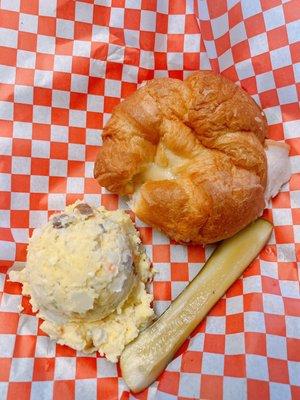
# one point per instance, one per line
(191, 154)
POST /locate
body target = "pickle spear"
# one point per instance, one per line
(144, 359)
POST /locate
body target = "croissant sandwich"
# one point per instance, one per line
(191, 155)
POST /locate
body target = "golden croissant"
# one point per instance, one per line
(190, 154)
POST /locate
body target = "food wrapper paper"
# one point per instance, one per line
(64, 66)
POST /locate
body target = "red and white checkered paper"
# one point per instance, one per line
(64, 65)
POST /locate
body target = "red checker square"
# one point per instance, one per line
(107, 388)
(291, 306)
(71, 198)
(235, 365)
(207, 30)
(65, 10)
(9, 19)
(235, 15)
(249, 85)
(19, 390)
(234, 323)
(269, 98)
(150, 5)
(277, 38)
(269, 253)
(21, 147)
(132, 19)
(41, 131)
(253, 302)
(147, 40)
(6, 164)
(169, 382)
(295, 52)
(59, 116)
(295, 391)
(162, 290)
(19, 219)
(77, 135)
(278, 370)
(175, 75)
(27, 41)
(91, 152)
(177, 7)
(287, 271)
(294, 146)
(253, 269)
(223, 43)
(284, 234)
(78, 101)
(47, 26)
(23, 112)
(295, 182)
(61, 389)
(38, 201)
(8, 322)
(255, 25)
(175, 42)
(275, 324)
(64, 351)
(20, 183)
(118, 3)
(76, 168)
(99, 51)
(6, 129)
(132, 56)
(24, 76)
(179, 272)
(267, 4)
(40, 166)
(196, 254)
(91, 186)
(217, 8)
(255, 343)
(25, 300)
(211, 387)
(80, 65)
(101, 15)
(236, 289)
(57, 184)
(214, 343)
(43, 369)
(42, 96)
(284, 77)
(160, 60)
(275, 132)
(191, 61)
(8, 56)
(240, 51)
(12, 287)
(293, 346)
(290, 112)
(5, 364)
(270, 285)
(96, 86)
(86, 367)
(191, 361)
(161, 253)
(109, 201)
(291, 11)
(83, 31)
(127, 89)
(116, 36)
(296, 216)
(29, 7)
(61, 80)
(63, 46)
(191, 24)
(114, 70)
(146, 235)
(5, 200)
(110, 103)
(59, 150)
(6, 235)
(254, 387)
(261, 63)
(219, 309)
(25, 346)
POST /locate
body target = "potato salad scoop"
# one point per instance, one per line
(147, 356)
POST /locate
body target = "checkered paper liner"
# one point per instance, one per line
(64, 65)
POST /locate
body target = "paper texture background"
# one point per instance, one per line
(64, 65)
